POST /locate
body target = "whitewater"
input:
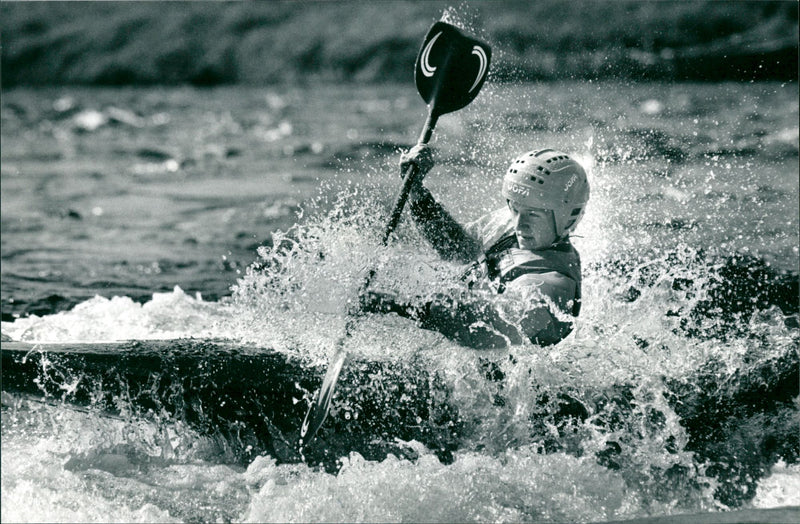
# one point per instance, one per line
(248, 217)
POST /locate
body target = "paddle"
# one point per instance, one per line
(450, 70)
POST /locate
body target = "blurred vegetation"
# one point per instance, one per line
(209, 43)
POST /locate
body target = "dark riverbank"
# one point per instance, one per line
(210, 43)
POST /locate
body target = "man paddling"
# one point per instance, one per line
(521, 250)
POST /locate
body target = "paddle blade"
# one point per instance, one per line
(322, 403)
(451, 68)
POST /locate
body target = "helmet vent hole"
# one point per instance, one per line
(541, 168)
(546, 171)
(576, 212)
(541, 181)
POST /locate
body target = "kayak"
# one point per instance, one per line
(254, 399)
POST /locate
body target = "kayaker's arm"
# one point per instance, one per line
(447, 236)
(440, 229)
(477, 323)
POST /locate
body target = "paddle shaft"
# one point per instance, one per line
(445, 88)
(319, 410)
(409, 179)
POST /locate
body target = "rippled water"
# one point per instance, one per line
(248, 215)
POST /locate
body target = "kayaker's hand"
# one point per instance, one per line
(384, 303)
(377, 302)
(421, 156)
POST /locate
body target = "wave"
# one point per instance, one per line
(242, 401)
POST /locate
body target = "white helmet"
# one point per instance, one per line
(551, 180)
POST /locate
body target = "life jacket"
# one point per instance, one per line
(503, 261)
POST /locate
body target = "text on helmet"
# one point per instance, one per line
(571, 181)
(518, 189)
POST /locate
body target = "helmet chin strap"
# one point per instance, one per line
(559, 238)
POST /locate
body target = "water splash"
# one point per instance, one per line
(466, 491)
(672, 339)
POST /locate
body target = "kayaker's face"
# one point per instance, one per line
(535, 228)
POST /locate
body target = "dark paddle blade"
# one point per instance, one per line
(451, 68)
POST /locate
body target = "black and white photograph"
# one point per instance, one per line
(400, 261)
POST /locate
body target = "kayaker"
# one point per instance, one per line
(521, 251)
